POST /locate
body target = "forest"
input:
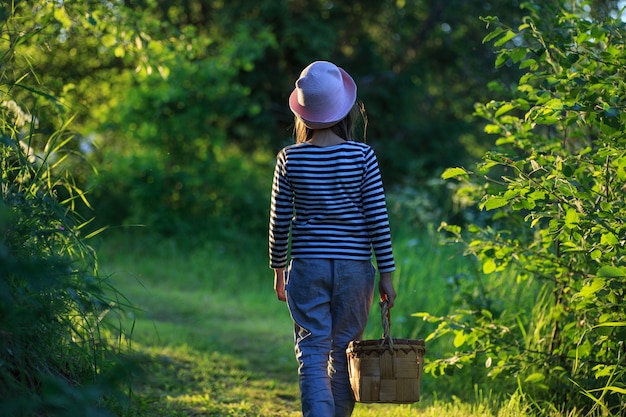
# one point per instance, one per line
(141, 136)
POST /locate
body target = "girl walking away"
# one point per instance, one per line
(328, 202)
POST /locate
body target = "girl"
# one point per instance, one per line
(327, 194)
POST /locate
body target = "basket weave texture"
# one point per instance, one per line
(386, 370)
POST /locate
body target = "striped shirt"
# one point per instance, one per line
(332, 200)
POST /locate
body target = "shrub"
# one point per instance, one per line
(555, 186)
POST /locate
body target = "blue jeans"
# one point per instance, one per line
(329, 301)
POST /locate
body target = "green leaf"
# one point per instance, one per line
(119, 51)
(518, 54)
(568, 170)
(489, 266)
(537, 195)
(591, 288)
(535, 377)
(609, 271)
(554, 104)
(616, 389)
(604, 370)
(524, 204)
(61, 16)
(454, 172)
(501, 59)
(452, 228)
(496, 32)
(504, 109)
(595, 254)
(571, 218)
(610, 388)
(492, 129)
(459, 338)
(535, 220)
(494, 203)
(608, 238)
(490, 19)
(611, 324)
(108, 40)
(528, 63)
(509, 34)
(505, 140)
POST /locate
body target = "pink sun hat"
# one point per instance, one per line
(323, 96)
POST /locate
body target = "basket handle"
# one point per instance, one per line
(386, 320)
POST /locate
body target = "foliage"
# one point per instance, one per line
(168, 88)
(182, 169)
(418, 85)
(242, 72)
(555, 186)
(55, 356)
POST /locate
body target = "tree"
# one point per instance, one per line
(162, 87)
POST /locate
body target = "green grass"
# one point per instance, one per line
(213, 345)
(214, 341)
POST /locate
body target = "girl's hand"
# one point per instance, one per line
(279, 284)
(385, 288)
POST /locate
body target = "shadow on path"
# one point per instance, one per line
(210, 355)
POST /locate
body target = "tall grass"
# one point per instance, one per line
(55, 359)
(54, 356)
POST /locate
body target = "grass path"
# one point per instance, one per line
(212, 338)
(207, 353)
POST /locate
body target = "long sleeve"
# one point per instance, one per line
(377, 219)
(281, 212)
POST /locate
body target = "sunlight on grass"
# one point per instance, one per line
(219, 350)
(435, 409)
(214, 340)
(198, 383)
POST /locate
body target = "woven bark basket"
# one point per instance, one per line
(386, 370)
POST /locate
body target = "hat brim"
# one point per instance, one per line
(314, 121)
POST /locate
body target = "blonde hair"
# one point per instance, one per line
(344, 128)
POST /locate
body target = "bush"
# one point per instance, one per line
(555, 187)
